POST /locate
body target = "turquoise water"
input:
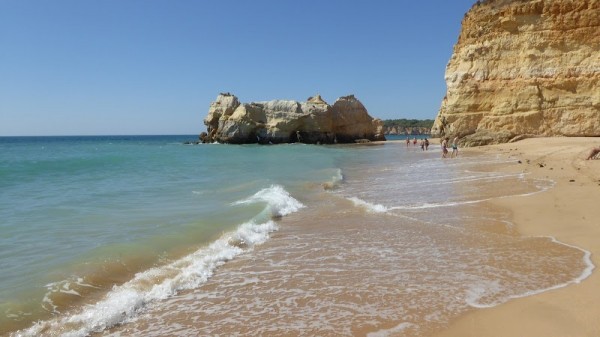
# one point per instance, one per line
(77, 206)
(129, 235)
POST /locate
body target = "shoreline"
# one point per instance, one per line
(567, 213)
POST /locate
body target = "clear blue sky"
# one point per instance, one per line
(79, 67)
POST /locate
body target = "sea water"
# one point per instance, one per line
(144, 235)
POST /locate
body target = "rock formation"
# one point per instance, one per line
(524, 68)
(281, 121)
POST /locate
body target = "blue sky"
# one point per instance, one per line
(100, 67)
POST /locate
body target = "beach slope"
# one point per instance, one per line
(569, 212)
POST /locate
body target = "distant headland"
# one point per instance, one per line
(405, 126)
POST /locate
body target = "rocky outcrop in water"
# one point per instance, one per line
(283, 121)
(524, 68)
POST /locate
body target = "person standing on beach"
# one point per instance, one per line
(444, 147)
(407, 141)
(426, 144)
(593, 152)
(454, 148)
(422, 145)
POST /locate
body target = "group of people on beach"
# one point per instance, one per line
(444, 141)
(593, 154)
(424, 143)
(445, 147)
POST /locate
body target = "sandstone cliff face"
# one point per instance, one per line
(524, 68)
(281, 121)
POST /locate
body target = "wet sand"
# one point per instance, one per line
(351, 272)
(568, 212)
(398, 265)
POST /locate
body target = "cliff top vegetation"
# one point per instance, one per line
(408, 123)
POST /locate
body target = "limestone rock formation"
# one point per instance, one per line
(281, 121)
(524, 68)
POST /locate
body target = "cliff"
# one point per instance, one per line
(285, 121)
(524, 68)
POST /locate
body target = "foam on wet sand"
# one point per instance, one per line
(568, 212)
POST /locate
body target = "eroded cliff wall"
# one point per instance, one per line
(524, 68)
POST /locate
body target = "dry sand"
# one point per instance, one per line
(569, 212)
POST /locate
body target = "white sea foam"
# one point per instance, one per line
(125, 301)
(587, 258)
(437, 205)
(584, 274)
(393, 331)
(475, 293)
(467, 179)
(335, 181)
(64, 287)
(279, 202)
(479, 290)
(338, 176)
(371, 208)
(538, 185)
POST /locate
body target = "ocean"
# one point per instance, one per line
(147, 236)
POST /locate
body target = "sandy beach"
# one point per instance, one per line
(400, 243)
(568, 212)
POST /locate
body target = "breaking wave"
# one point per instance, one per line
(126, 301)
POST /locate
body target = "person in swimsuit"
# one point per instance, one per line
(444, 147)
(454, 147)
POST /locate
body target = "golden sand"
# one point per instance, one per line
(570, 212)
